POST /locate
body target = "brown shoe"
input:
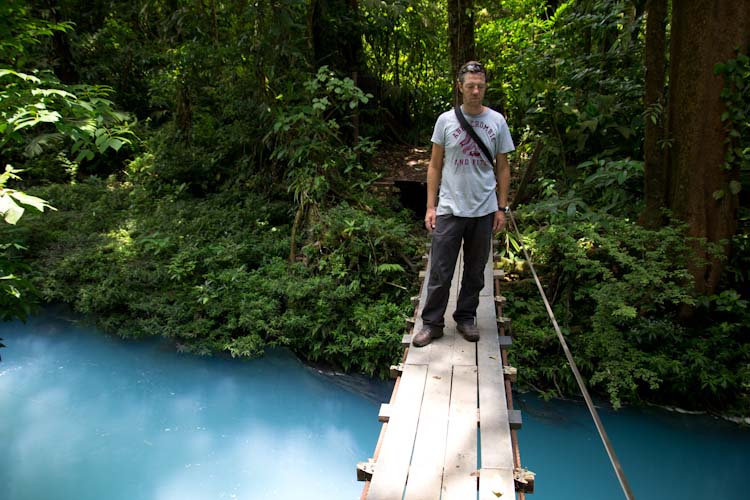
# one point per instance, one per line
(425, 336)
(469, 331)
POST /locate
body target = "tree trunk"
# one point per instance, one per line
(63, 64)
(460, 37)
(655, 159)
(336, 34)
(704, 33)
(335, 30)
(214, 23)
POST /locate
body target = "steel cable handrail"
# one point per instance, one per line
(599, 426)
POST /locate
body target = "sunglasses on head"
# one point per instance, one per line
(471, 68)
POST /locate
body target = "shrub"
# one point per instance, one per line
(212, 273)
(617, 290)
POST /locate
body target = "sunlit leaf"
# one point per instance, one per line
(9, 209)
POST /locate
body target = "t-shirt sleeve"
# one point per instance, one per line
(438, 134)
(504, 140)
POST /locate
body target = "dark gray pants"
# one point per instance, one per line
(450, 232)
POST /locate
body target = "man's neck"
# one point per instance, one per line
(473, 110)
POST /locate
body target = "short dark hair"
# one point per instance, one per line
(471, 67)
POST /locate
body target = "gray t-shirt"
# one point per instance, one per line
(467, 187)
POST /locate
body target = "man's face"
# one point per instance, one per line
(472, 89)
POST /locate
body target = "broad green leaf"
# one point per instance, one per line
(84, 154)
(115, 143)
(49, 92)
(9, 209)
(590, 124)
(23, 76)
(49, 117)
(27, 199)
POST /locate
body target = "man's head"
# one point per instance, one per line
(472, 83)
(471, 67)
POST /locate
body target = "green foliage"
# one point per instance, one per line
(405, 47)
(211, 274)
(602, 186)
(505, 38)
(573, 82)
(250, 150)
(12, 202)
(37, 111)
(736, 74)
(309, 145)
(17, 294)
(20, 31)
(617, 289)
(347, 242)
(80, 114)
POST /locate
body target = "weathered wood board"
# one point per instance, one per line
(448, 433)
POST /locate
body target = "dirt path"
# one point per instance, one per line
(403, 163)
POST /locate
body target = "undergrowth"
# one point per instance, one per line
(621, 295)
(212, 273)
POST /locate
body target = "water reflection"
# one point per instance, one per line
(90, 417)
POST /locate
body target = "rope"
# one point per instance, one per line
(599, 426)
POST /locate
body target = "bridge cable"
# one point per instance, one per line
(599, 426)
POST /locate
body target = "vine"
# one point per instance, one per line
(736, 119)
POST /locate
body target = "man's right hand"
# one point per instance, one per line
(430, 217)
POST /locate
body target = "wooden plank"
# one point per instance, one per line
(463, 353)
(392, 467)
(459, 477)
(426, 471)
(419, 355)
(415, 301)
(505, 323)
(516, 420)
(432, 429)
(409, 324)
(496, 483)
(385, 412)
(365, 470)
(424, 355)
(494, 427)
(489, 279)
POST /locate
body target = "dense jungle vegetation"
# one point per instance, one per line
(203, 171)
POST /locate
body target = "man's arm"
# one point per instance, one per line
(502, 175)
(434, 174)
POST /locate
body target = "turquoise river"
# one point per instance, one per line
(85, 416)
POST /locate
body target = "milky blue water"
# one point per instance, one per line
(87, 416)
(665, 455)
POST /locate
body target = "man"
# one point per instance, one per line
(473, 203)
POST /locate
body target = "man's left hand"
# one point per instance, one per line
(499, 222)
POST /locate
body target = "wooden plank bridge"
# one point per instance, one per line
(449, 430)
